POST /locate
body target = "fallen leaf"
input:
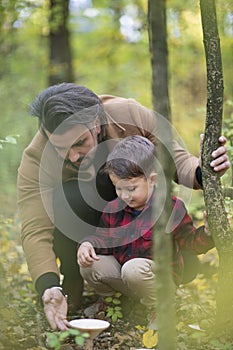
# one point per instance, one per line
(150, 338)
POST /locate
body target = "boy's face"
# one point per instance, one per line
(136, 191)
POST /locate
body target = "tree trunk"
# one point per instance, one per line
(159, 55)
(60, 57)
(164, 286)
(214, 201)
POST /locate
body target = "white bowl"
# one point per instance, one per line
(90, 325)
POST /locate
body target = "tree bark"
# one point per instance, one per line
(60, 56)
(159, 55)
(214, 201)
(164, 286)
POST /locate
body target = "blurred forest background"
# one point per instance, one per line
(105, 46)
(109, 54)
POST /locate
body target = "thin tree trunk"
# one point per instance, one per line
(159, 55)
(214, 201)
(164, 286)
(60, 57)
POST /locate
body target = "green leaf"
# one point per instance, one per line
(108, 299)
(110, 313)
(110, 308)
(79, 340)
(116, 301)
(117, 308)
(86, 335)
(114, 317)
(64, 335)
(74, 332)
(53, 340)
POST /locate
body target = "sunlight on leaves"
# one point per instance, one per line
(23, 269)
(12, 139)
(196, 327)
(140, 328)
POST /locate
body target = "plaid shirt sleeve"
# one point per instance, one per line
(188, 237)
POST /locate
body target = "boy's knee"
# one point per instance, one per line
(136, 270)
(92, 271)
(106, 267)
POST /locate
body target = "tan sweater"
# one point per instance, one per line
(41, 170)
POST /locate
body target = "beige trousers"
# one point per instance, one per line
(134, 279)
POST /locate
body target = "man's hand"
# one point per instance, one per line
(86, 254)
(55, 308)
(220, 162)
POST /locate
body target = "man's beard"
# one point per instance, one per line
(80, 165)
(84, 162)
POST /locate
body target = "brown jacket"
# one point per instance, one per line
(41, 170)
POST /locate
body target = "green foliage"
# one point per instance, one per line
(56, 15)
(20, 318)
(23, 325)
(113, 54)
(114, 309)
(108, 63)
(104, 60)
(56, 339)
(221, 346)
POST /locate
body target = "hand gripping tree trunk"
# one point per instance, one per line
(214, 201)
(164, 287)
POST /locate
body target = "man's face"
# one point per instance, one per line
(77, 145)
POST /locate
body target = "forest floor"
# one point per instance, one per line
(24, 327)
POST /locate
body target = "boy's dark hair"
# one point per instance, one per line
(132, 157)
(68, 102)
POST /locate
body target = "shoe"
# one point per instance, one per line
(96, 310)
(152, 324)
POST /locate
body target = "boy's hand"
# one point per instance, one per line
(220, 162)
(86, 254)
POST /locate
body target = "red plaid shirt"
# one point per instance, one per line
(126, 234)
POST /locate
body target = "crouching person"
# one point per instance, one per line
(119, 257)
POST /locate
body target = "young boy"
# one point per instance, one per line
(120, 256)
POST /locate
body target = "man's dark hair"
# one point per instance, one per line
(72, 103)
(134, 156)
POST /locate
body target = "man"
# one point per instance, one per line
(62, 189)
